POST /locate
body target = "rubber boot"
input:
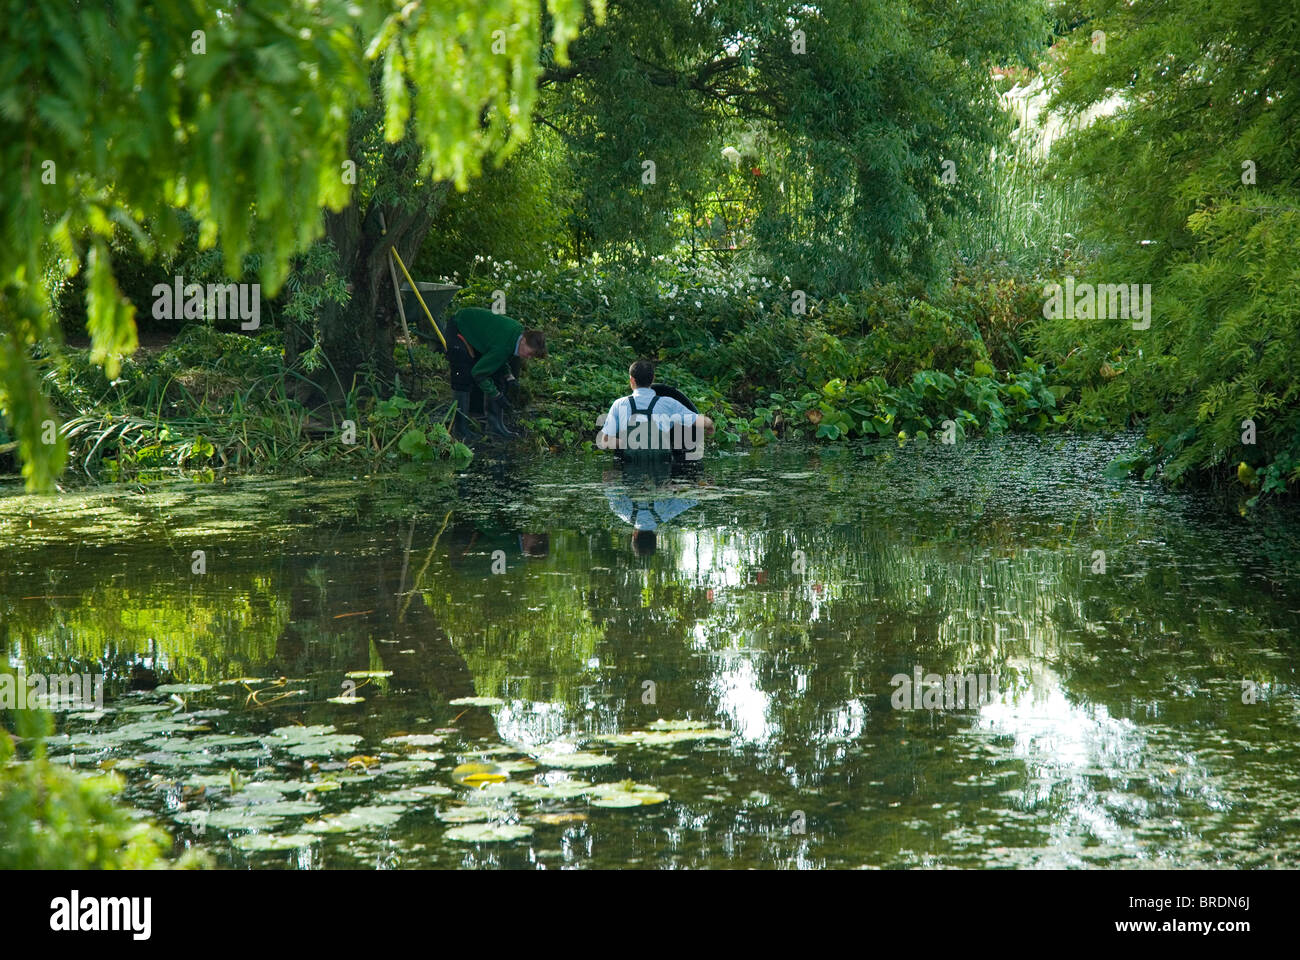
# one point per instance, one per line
(460, 426)
(492, 405)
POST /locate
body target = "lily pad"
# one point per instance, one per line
(489, 832)
(346, 700)
(358, 818)
(575, 761)
(625, 793)
(566, 790)
(478, 774)
(325, 746)
(259, 842)
(415, 794)
(169, 688)
(297, 734)
(406, 766)
(662, 738)
(368, 674)
(560, 819)
(233, 818)
(415, 740)
(284, 808)
(469, 814)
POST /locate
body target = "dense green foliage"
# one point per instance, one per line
(892, 360)
(781, 204)
(1198, 195)
(842, 116)
(211, 400)
(53, 818)
(123, 116)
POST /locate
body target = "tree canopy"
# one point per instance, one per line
(128, 114)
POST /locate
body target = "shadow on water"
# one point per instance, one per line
(1141, 646)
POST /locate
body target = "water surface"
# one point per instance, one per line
(770, 599)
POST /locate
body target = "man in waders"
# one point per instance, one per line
(646, 425)
(484, 350)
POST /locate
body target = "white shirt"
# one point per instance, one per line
(668, 412)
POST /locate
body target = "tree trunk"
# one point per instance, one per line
(358, 338)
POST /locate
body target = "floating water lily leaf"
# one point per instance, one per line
(415, 739)
(478, 774)
(625, 793)
(469, 814)
(617, 800)
(165, 759)
(358, 818)
(346, 700)
(122, 763)
(566, 790)
(575, 761)
(147, 728)
(496, 751)
(477, 702)
(258, 753)
(488, 832)
(253, 793)
(558, 819)
(284, 808)
(407, 766)
(325, 746)
(232, 818)
(516, 766)
(179, 745)
(257, 842)
(297, 734)
(414, 794)
(498, 789)
(170, 688)
(368, 674)
(661, 738)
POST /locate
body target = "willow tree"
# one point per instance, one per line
(862, 125)
(124, 114)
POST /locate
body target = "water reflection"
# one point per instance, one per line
(783, 593)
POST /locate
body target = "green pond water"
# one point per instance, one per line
(511, 616)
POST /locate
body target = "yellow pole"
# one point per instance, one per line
(416, 291)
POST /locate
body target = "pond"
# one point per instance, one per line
(551, 664)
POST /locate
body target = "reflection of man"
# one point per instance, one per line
(646, 516)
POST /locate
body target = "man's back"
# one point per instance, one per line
(666, 414)
(483, 330)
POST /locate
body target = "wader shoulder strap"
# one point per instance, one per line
(648, 411)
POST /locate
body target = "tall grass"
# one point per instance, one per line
(1025, 216)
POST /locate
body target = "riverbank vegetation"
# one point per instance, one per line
(825, 230)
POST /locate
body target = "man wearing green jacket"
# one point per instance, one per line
(484, 350)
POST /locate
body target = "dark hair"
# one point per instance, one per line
(642, 373)
(536, 341)
(644, 542)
